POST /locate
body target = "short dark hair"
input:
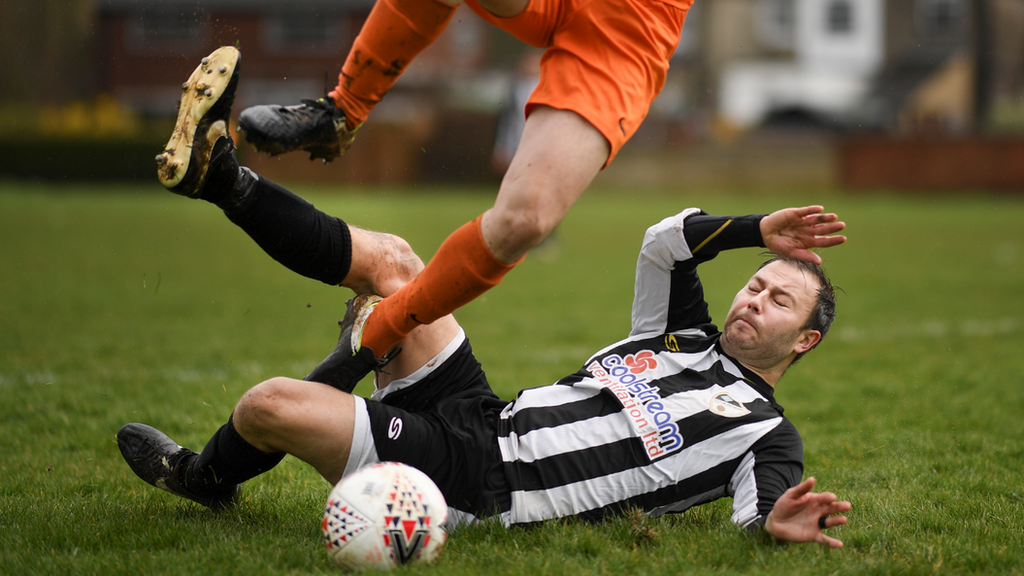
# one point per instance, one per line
(824, 311)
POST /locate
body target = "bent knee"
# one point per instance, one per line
(263, 406)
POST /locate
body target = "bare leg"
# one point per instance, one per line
(559, 154)
(314, 422)
(310, 421)
(381, 264)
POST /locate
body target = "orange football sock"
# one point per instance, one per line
(393, 34)
(462, 269)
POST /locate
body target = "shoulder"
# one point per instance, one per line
(783, 440)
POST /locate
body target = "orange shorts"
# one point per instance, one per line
(606, 60)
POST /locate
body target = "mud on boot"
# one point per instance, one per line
(201, 132)
(158, 460)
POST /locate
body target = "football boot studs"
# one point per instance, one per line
(202, 126)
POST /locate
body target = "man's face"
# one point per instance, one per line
(765, 323)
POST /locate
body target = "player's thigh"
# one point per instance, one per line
(559, 155)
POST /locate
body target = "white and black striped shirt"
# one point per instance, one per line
(663, 420)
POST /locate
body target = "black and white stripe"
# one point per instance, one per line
(637, 426)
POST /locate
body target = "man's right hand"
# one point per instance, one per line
(793, 232)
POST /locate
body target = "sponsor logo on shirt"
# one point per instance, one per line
(625, 378)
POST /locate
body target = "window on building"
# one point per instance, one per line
(941, 16)
(776, 23)
(839, 17)
(162, 27)
(303, 28)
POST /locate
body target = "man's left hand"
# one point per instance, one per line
(793, 232)
(801, 515)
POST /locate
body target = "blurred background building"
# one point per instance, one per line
(857, 93)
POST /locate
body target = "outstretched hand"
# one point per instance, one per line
(801, 515)
(793, 232)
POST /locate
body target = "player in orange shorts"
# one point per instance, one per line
(603, 65)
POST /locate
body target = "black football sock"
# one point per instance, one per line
(222, 173)
(290, 229)
(227, 460)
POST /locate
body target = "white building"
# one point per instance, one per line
(837, 48)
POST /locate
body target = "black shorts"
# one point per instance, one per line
(445, 425)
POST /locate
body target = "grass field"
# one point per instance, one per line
(133, 305)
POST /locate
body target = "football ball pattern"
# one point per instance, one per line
(383, 516)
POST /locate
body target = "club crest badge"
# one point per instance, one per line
(724, 405)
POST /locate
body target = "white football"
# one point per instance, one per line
(384, 515)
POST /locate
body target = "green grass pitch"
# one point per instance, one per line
(130, 304)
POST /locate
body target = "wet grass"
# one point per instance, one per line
(132, 305)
